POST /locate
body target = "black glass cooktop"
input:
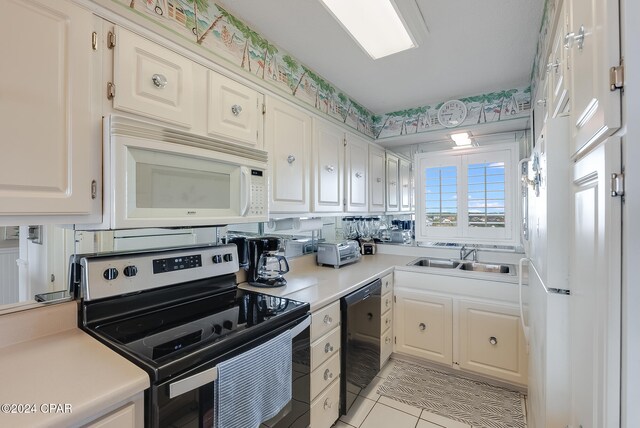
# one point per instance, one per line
(195, 321)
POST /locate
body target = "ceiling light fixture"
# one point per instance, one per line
(375, 25)
(461, 139)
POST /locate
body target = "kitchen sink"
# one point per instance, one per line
(464, 265)
(437, 263)
(487, 267)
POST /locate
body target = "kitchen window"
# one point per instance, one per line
(467, 196)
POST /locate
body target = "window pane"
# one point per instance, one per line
(441, 196)
(485, 189)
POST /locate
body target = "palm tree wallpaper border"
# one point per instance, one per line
(214, 29)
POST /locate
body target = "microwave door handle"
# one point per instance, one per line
(192, 382)
(245, 194)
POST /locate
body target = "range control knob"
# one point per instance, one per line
(227, 324)
(217, 328)
(130, 271)
(110, 274)
(217, 258)
(228, 257)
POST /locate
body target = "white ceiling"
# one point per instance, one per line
(472, 47)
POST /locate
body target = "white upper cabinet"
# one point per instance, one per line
(393, 203)
(405, 185)
(594, 38)
(328, 167)
(376, 179)
(357, 176)
(288, 141)
(234, 111)
(47, 166)
(558, 65)
(153, 81)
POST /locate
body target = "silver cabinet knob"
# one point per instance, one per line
(328, 375)
(493, 340)
(392, 183)
(328, 348)
(236, 109)
(291, 159)
(327, 320)
(572, 37)
(387, 321)
(378, 180)
(330, 168)
(387, 302)
(387, 340)
(159, 80)
(327, 404)
(358, 175)
(542, 102)
(422, 326)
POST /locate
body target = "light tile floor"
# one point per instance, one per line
(371, 410)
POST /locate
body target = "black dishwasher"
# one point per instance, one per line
(360, 353)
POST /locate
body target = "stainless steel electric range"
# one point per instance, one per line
(177, 314)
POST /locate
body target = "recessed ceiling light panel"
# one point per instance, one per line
(375, 25)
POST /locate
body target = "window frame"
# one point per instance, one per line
(462, 158)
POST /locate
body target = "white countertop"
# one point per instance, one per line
(321, 285)
(67, 367)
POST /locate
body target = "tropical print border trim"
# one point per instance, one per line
(212, 28)
(484, 108)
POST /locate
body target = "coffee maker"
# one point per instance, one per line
(266, 267)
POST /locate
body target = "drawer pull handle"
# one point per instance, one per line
(359, 175)
(369, 316)
(387, 340)
(387, 321)
(291, 159)
(330, 168)
(328, 348)
(159, 80)
(378, 180)
(327, 404)
(328, 375)
(422, 326)
(493, 340)
(236, 109)
(386, 303)
(327, 320)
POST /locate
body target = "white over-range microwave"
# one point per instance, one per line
(160, 177)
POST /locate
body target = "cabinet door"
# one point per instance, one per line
(45, 109)
(595, 48)
(558, 67)
(328, 167)
(540, 110)
(423, 325)
(393, 189)
(376, 179)
(153, 81)
(356, 159)
(491, 341)
(405, 185)
(234, 111)
(288, 141)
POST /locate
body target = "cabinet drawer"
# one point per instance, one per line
(124, 417)
(386, 322)
(387, 283)
(386, 347)
(324, 410)
(324, 348)
(324, 375)
(153, 81)
(324, 320)
(386, 302)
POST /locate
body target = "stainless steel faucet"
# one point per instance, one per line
(464, 253)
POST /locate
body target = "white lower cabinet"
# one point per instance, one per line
(424, 326)
(491, 342)
(129, 414)
(325, 366)
(458, 331)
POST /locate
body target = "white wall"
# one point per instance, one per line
(631, 219)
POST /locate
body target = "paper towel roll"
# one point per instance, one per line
(306, 225)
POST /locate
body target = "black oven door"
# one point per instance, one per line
(192, 403)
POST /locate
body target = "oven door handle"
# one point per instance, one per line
(190, 383)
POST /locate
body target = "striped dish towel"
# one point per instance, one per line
(254, 386)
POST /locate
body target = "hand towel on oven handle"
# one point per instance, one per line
(254, 386)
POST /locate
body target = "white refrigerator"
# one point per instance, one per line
(546, 238)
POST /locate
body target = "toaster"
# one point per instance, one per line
(337, 254)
